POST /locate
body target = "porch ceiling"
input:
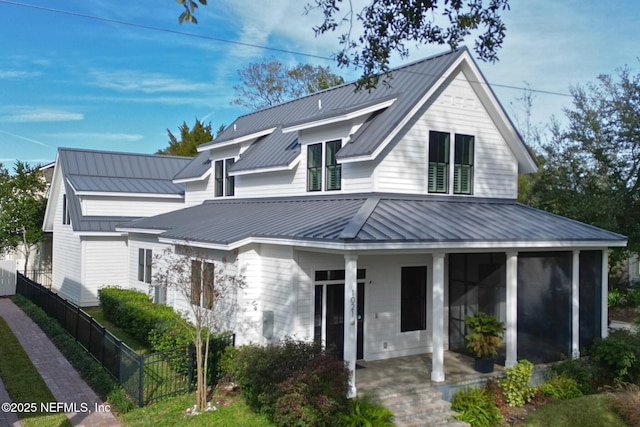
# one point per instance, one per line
(367, 220)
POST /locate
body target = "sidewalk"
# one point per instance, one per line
(63, 380)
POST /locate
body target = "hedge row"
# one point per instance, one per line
(156, 325)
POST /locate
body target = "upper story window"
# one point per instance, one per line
(440, 158)
(323, 170)
(66, 217)
(224, 184)
(145, 261)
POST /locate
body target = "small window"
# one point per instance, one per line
(145, 261)
(413, 304)
(314, 167)
(333, 168)
(438, 162)
(463, 165)
(321, 159)
(202, 284)
(66, 217)
(224, 183)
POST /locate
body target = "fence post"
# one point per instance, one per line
(141, 385)
(77, 322)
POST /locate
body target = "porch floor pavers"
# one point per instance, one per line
(416, 369)
(63, 380)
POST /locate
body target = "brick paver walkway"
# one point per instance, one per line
(63, 380)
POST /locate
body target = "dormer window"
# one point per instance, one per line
(66, 216)
(323, 170)
(224, 184)
(440, 158)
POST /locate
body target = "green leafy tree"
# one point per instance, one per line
(22, 205)
(190, 138)
(389, 26)
(268, 83)
(591, 168)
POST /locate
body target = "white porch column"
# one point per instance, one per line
(605, 293)
(437, 319)
(575, 306)
(351, 317)
(512, 310)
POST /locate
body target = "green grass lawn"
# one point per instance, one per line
(136, 345)
(24, 383)
(587, 411)
(171, 412)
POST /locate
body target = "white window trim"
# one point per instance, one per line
(225, 176)
(323, 178)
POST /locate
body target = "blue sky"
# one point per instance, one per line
(71, 81)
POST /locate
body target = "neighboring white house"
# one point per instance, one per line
(373, 221)
(92, 192)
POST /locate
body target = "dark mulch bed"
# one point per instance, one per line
(515, 416)
(623, 314)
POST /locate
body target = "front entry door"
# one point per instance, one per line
(334, 317)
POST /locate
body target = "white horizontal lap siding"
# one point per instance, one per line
(129, 206)
(198, 191)
(382, 307)
(457, 110)
(105, 263)
(275, 290)
(273, 184)
(67, 258)
(141, 241)
(357, 177)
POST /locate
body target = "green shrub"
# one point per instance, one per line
(90, 370)
(633, 297)
(617, 357)
(515, 387)
(137, 315)
(367, 412)
(561, 387)
(581, 370)
(617, 298)
(476, 407)
(290, 380)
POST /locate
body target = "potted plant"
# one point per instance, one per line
(483, 339)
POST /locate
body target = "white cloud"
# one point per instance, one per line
(139, 81)
(96, 136)
(37, 115)
(18, 74)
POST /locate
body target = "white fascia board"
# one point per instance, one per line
(409, 116)
(410, 246)
(99, 233)
(193, 179)
(340, 117)
(132, 195)
(128, 230)
(288, 167)
(234, 141)
(52, 201)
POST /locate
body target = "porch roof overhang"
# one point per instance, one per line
(374, 222)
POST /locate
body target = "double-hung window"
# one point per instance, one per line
(145, 261)
(440, 157)
(323, 170)
(202, 284)
(224, 183)
(463, 165)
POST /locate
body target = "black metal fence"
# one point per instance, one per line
(145, 377)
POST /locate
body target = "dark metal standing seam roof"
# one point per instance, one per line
(112, 172)
(371, 218)
(407, 85)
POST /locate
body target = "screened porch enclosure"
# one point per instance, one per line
(545, 300)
